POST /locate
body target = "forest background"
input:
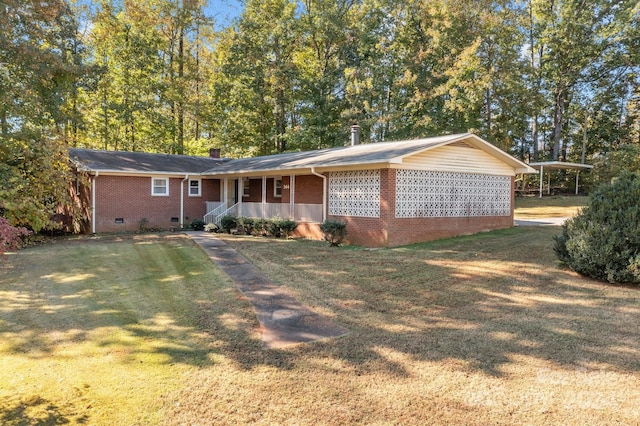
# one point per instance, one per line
(540, 79)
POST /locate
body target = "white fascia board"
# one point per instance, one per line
(560, 165)
(299, 170)
(141, 174)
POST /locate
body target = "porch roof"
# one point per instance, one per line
(379, 154)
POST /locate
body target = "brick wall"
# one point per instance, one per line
(308, 189)
(129, 198)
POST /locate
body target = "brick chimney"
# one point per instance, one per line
(214, 152)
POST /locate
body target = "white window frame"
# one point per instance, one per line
(199, 187)
(246, 187)
(153, 186)
(276, 187)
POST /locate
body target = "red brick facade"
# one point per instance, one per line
(308, 189)
(128, 199)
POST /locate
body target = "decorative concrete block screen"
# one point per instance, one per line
(423, 193)
(355, 193)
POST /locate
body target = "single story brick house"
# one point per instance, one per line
(389, 193)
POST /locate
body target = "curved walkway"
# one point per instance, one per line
(283, 319)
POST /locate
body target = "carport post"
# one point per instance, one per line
(541, 177)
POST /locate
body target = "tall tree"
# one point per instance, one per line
(39, 73)
(580, 44)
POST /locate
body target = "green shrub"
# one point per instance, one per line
(273, 228)
(247, 224)
(261, 228)
(287, 226)
(334, 231)
(197, 225)
(229, 222)
(603, 240)
(211, 227)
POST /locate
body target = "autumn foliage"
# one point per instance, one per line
(10, 236)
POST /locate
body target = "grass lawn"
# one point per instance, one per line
(549, 206)
(485, 329)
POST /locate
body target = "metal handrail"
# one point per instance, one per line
(211, 216)
(225, 213)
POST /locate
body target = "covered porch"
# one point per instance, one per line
(297, 197)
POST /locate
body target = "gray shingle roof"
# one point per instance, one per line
(373, 153)
(324, 159)
(140, 162)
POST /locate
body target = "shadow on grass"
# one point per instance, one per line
(37, 411)
(483, 302)
(168, 306)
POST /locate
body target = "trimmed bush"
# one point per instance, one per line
(211, 227)
(334, 231)
(287, 226)
(197, 225)
(603, 240)
(229, 222)
(247, 224)
(261, 228)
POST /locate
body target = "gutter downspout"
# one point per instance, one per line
(182, 201)
(93, 203)
(324, 193)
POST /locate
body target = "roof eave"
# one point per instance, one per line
(110, 172)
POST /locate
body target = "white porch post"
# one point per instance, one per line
(292, 196)
(577, 174)
(240, 192)
(264, 197)
(225, 193)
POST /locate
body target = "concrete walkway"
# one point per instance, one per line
(545, 221)
(283, 319)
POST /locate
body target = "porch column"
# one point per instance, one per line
(240, 190)
(225, 194)
(264, 197)
(292, 196)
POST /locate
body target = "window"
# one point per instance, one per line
(246, 187)
(194, 187)
(277, 187)
(160, 186)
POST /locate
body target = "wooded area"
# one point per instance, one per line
(541, 79)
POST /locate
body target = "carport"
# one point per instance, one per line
(557, 165)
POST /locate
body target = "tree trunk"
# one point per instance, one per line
(180, 110)
(558, 121)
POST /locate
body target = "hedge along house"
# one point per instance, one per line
(133, 190)
(389, 194)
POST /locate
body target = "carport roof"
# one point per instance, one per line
(556, 165)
